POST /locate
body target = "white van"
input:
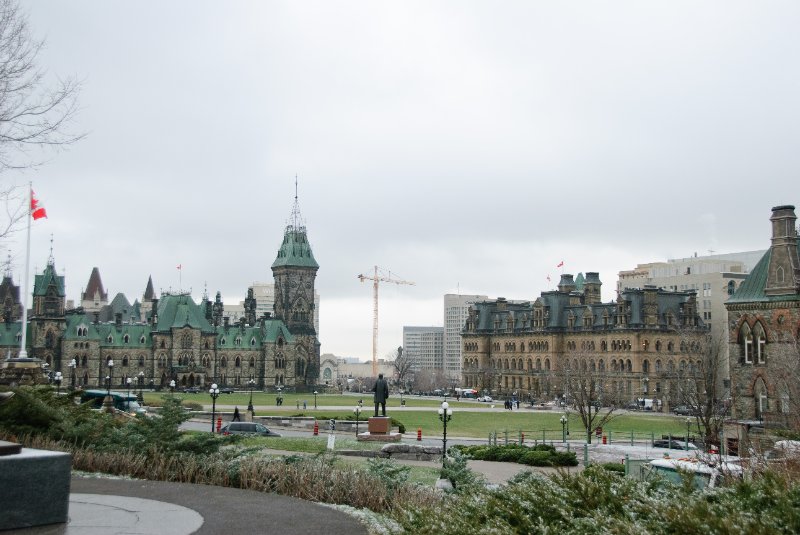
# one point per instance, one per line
(704, 475)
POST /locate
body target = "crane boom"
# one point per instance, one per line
(375, 280)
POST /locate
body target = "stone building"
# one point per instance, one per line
(764, 321)
(634, 347)
(174, 338)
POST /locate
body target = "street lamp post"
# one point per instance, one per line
(315, 398)
(57, 381)
(251, 383)
(688, 427)
(110, 374)
(563, 421)
(140, 399)
(71, 367)
(445, 413)
(128, 382)
(357, 412)
(214, 391)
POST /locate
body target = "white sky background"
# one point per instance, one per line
(461, 145)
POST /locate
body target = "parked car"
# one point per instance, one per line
(247, 428)
(226, 390)
(192, 390)
(673, 444)
(632, 406)
(684, 410)
(703, 475)
(485, 398)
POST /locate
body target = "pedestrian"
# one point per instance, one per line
(236, 417)
(298, 404)
(304, 405)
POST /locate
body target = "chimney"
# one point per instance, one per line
(566, 284)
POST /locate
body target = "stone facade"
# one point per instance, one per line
(635, 347)
(174, 338)
(764, 329)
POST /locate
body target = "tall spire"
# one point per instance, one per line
(296, 220)
(51, 261)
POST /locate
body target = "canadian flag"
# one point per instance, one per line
(37, 208)
(560, 264)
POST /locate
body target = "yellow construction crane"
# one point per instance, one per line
(375, 280)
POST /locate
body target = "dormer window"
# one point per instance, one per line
(126, 339)
(253, 341)
(110, 339)
(222, 341)
(237, 341)
(142, 339)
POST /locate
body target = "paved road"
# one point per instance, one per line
(135, 507)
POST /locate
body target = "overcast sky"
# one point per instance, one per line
(465, 146)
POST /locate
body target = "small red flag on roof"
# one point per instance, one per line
(560, 264)
(37, 208)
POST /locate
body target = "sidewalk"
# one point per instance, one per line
(101, 506)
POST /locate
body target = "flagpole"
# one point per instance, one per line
(22, 353)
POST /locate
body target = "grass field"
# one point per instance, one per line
(421, 413)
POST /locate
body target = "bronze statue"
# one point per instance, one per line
(381, 390)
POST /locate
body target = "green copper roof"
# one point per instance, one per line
(295, 249)
(752, 288)
(43, 281)
(177, 311)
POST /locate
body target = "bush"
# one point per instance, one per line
(192, 405)
(617, 468)
(456, 471)
(392, 475)
(539, 455)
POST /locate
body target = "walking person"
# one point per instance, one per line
(236, 417)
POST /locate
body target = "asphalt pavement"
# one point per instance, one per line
(101, 506)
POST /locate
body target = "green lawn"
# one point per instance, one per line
(463, 423)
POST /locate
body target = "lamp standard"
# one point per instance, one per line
(251, 383)
(71, 367)
(57, 381)
(172, 386)
(563, 421)
(214, 391)
(315, 398)
(688, 427)
(445, 413)
(128, 382)
(110, 374)
(402, 401)
(357, 412)
(141, 384)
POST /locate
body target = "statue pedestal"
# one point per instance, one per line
(34, 487)
(379, 429)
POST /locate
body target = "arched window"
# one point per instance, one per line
(746, 343)
(238, 362)
(252, 362)
(645, 366)
(760, 340)
(731, 287)
(547, 364)
(223, 362)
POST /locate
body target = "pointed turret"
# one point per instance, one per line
(95, 296)
(147, 300)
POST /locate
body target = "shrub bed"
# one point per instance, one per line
(539, 455)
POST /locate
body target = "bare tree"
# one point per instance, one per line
(34, 114)
(700, 383)
(586, 390)
(403, 366)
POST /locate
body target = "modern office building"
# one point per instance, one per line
(456, 311)
(424, 346)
